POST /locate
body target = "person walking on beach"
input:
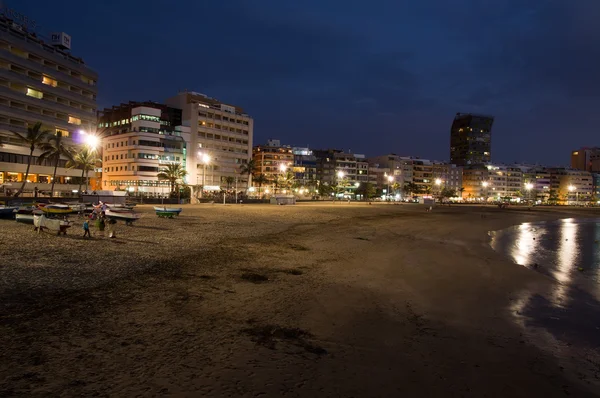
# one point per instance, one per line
(86, 229)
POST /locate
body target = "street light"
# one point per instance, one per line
(92, 141)
(528, 188)
(485, 185)
(204, 159)
(390, 179)
(282, 168)
(438, 182)
(572, 188)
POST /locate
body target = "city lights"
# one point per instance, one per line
(340, 174)
(438, 181)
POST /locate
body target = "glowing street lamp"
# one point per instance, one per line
(282, 168)
(90, 140)
(390, 179)
(485, 184)
(204, 159)
(572, 188)
(340, 174)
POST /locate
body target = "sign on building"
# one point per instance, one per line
(61, 40)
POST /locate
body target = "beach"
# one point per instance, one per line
(318, 299)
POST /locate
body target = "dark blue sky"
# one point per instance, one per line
(370, 76)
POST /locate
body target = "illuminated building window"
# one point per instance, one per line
(62, 132)
(74, 120)
(49, 81)
(34, 93)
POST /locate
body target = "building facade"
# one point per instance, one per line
(139, 139)
(568, 186)
(471, 139)
(41, 81)
(586, 159)
(344, 171)
(220, 139)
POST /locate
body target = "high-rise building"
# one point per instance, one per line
(220, 139)
(41, 81)
(269, 159)
(471, 139)
(586, 159)
(140, 138)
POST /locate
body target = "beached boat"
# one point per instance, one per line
(26, 218)
(40, 221)
(57, 209)
(122, 214)
(118, 206)
(76, 207)
(162, 209)
(7, 211)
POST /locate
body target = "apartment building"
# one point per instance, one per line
(505, 182)
(571, 185)
(586, 159)
(475, 182)
(536, 182)
(41, 81)
(333, 163)
(271, 158)
(220, 139)
(140, 138)
(471, 139)
(423, 173)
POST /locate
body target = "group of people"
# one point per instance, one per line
(99, 215)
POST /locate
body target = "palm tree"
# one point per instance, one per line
(461, 190)
(173, 172)
(34, 137)
(85, 160)
(52, 150)
(248, 168)
(229, 180)
(260, 180)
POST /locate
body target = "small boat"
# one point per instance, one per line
(57, 209)
(119, 206)
(76, 207)
(40, 221)
(7, 211)
(161, 209)
(24, 218)
(122, 214)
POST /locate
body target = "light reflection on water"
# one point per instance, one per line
(558, 249)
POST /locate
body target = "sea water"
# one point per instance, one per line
(564, 249)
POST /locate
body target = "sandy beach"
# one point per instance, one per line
(312, 300)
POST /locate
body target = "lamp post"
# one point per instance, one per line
(528, 188)
(283, 169)
(390, 179)
(485, 185)
(572, 188)
(340, 175)
(438, 183)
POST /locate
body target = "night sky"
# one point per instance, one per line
(370, 76)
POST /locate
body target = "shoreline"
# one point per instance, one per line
(311, 300)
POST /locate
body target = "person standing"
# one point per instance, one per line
(86, 229)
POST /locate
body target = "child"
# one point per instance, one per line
(86, 229)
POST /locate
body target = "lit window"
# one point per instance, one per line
(34, 93)
(62, 132)
(49, 81)
(74, 120)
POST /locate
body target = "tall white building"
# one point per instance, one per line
(41, 81)
(220, 139)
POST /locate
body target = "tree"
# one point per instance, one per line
(173, 172)
(248, 168)
(34, 138)
(85, 160)
(447, 193)
(552, 196)
(325, 189)
(410, 188)
(52, 150)
(286, 179)
(461, 190)
(260, 180)
(367, 190)
(229, 181)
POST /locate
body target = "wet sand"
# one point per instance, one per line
(307, 300)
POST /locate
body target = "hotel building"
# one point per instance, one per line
(41, 81)
(139, 138)
(220, 133)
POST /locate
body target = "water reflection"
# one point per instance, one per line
(567, 255)
(567, 250)
(523, 247)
